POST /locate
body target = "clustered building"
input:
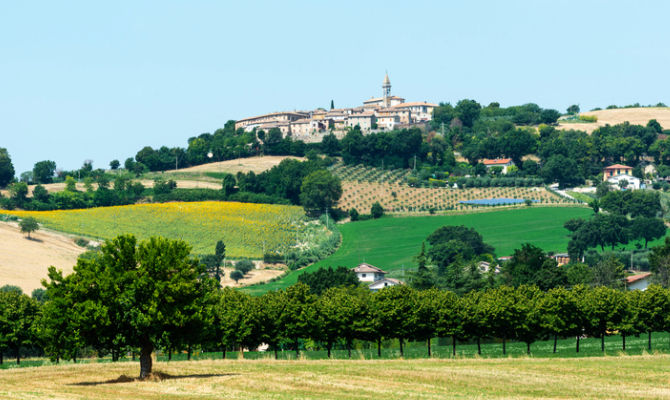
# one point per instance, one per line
(381, 113)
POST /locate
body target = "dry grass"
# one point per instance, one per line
(625, 377)
(252, 277)
(256, 164)
(636, 116)
(24, 262)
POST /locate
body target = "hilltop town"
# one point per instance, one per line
(384, 113)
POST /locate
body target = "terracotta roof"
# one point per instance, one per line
(637, 277)
(618, 166)
(367, 268)
(376, 99)
(414, 104)
(497, 161)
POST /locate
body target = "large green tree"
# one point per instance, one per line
(18, 313)
(6, 168)
(320, 190)
(140, 295)
(43, 171)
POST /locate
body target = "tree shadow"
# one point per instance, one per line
(154, 377)
(34, 239)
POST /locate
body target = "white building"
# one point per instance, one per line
(384, 283)
(368, 273)
(633, 183)
(505, 163)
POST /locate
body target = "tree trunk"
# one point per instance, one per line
(623, 339)
(276, 355)
(453, 346)
(297, 350)
(115, 356)
(328, 346)
(528, 348)
(649, 341)
(349, 348)
(577, 344)
(2, 360)
(379, 347)
(145, 361)
(402, 353)
(241, 353)
(18, 355)
(223, 353)
(74, 356)
(428, 341)
(555, 340)
(479, 346)
(188, 352)
(170, 353)
(504, 347)
(132, 353)
(602, 342)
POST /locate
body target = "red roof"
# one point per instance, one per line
(497, 161)
(637, 277)
(618, 166)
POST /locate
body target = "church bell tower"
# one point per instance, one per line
(386, 91)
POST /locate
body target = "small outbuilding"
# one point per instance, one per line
(384, 283)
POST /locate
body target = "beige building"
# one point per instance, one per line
(364, 120)
(254, 122)
(421, 111)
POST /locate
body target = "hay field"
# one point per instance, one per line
(622, 377)
(24, 262)
(256, 164)
(636, 116)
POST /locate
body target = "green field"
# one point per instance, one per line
(392, 243)
(247, 229)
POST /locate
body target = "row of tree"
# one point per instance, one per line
(141, 297)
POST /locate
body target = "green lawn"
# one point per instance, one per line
(392, 243)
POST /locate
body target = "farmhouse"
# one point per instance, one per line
(368, 273)
(639, 281)
(383, 283)
(616, 170)
(505, 163)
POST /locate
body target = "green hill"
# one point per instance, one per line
(392, 243)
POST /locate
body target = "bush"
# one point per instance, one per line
(353, 214)
(273, 258)
(377, 211)
(81, 242)
(244, 266)
(588, 118)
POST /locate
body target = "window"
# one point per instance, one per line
(362, 275)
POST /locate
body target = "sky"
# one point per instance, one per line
(100, 80)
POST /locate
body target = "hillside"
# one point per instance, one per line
(24, 262)
(636, 116)
(391, 243)
(247, 229)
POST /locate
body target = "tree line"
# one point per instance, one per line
(142, 297)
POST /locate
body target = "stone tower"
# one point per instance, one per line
(386, 91)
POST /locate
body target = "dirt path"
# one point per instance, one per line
(25, 262)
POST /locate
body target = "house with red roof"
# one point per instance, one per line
(638, 281)
(621, 176)
(498, 162)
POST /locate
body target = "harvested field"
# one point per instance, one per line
(252, 277)
(622, 377)
(24, 262)
(256, 164)
(636, 116)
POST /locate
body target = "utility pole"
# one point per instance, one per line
(415, 162)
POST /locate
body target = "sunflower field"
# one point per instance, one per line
(248, 230)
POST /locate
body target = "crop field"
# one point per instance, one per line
(636, 116)
(362, 186)
(621, 377)
(391, 243)
(246, 229)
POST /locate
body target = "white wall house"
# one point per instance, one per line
(633, 182)
(498, 162)
(368, 273)
(383, 283)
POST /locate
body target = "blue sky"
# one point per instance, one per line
(87, 80)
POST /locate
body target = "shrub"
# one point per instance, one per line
(588, 118)
(353, 214)
(81, 242)
(376, 210)
(244, 266)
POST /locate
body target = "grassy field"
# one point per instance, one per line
(636, 116)
(246, 229)
(624, 377)
(391, 243)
